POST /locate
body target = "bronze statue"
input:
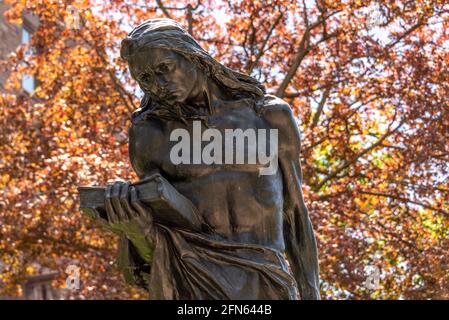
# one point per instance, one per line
(228, 231)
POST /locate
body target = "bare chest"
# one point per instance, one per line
(233, 140)
(222, 179)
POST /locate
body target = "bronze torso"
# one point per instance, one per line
(234, 201)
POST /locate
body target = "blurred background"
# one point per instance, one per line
(367, 80)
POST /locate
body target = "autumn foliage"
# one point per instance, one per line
(368, 80)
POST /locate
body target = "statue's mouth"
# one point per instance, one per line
(165, 95)
(170, 96)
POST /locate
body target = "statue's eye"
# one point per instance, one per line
(146, 77)
(163, 68)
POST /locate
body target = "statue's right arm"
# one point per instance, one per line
(145, 144)
(136, 254)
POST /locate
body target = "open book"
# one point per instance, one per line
(167, 205)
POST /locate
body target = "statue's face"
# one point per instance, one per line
(166, 75)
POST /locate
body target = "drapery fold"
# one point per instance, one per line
(190, 265)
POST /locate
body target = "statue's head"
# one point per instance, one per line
(171, 66)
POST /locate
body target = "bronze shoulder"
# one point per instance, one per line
(276, 111)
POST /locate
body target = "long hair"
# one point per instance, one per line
(168, 34)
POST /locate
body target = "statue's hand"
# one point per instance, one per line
(126, 214)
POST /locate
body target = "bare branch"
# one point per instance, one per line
(126, 97)
(348, 163)
(403, 199)
(303, 49)
(420, 23)
(300, 55)
(305, 16)
(321, 104)
(164, 9)
(190, 19)
(262, 50)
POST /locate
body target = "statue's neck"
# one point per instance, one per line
(210, 97)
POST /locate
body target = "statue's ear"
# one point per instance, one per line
(145, 102)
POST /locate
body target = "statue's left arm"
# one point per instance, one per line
(299, 237)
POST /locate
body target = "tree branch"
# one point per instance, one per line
(164, 9)
(190, 19)
(319, 110)
(262, 51)
(403, 199)
(347, 163)
(304, 49)
(302, 52)
(420, 23)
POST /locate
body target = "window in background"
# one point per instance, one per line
(27, 81)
